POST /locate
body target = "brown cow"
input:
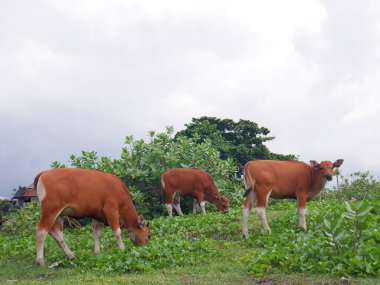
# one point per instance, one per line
(283, 179)
(81, 193)
(197, 183)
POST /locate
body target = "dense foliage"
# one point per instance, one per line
(142, 163)
(242, 141)
(341, 239)
(6, 206)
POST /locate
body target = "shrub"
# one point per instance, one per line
(142, 163)
(358, 186)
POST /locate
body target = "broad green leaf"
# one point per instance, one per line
(348, 206)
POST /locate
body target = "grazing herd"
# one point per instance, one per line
(78, 193)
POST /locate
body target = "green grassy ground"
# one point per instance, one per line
(192, 249)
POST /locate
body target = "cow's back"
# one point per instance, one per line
(187, 179)
(283, 177)
(83, 192)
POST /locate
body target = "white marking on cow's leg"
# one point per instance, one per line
(301, 218)
(261, 212)
(245, 221)
(195, 206)
(177, 204)
(58, 236)
(97, 231)
(41, 191)
(41, 236)
(177, 207)
(169, 207)
(203, 206)
(120, 243)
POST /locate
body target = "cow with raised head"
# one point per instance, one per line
(197, 183)
(79, 193)
(281, 180)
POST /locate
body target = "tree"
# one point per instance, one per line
(241, 141)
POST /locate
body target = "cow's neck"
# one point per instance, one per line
(128, 217)
(210, 195)
(318, 183)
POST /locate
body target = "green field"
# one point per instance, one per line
(209, 249)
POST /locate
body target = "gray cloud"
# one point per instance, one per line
(81, 75)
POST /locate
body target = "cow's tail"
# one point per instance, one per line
(162, 192)
(249, 182)
(36, 180)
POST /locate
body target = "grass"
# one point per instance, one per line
(220, 271)
(220, 258)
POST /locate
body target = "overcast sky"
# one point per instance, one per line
(81, 75)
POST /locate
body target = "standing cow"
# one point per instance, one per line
(281, 180)
(179, 182)
(78, 193)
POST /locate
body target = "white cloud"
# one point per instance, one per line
(83, 74)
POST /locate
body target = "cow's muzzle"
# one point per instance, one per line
(329, 177)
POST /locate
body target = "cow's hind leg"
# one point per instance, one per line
(57, 233)
(46, 222)
(247, 206)
(97, 231)
(262, 201)
(177, 204)
(195, 206)
(169, 201)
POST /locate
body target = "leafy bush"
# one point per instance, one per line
(142, 163)
(358, 186)
(332, 246)
(6, 206)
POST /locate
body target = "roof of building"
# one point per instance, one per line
(31, 193)
(19, 193)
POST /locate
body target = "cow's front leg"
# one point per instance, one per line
(201, 199)
(97, 231)
(301, 206)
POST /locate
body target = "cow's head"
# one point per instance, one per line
(140, 234)
(221, 203)
(326, 167)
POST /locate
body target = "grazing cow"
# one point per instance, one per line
(283, 179)
(78, 193)
(197, 183)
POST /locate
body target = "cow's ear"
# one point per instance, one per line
(314, 163)
(338, 162)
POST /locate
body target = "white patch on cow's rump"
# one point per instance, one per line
(41, 191)
(162, 182)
